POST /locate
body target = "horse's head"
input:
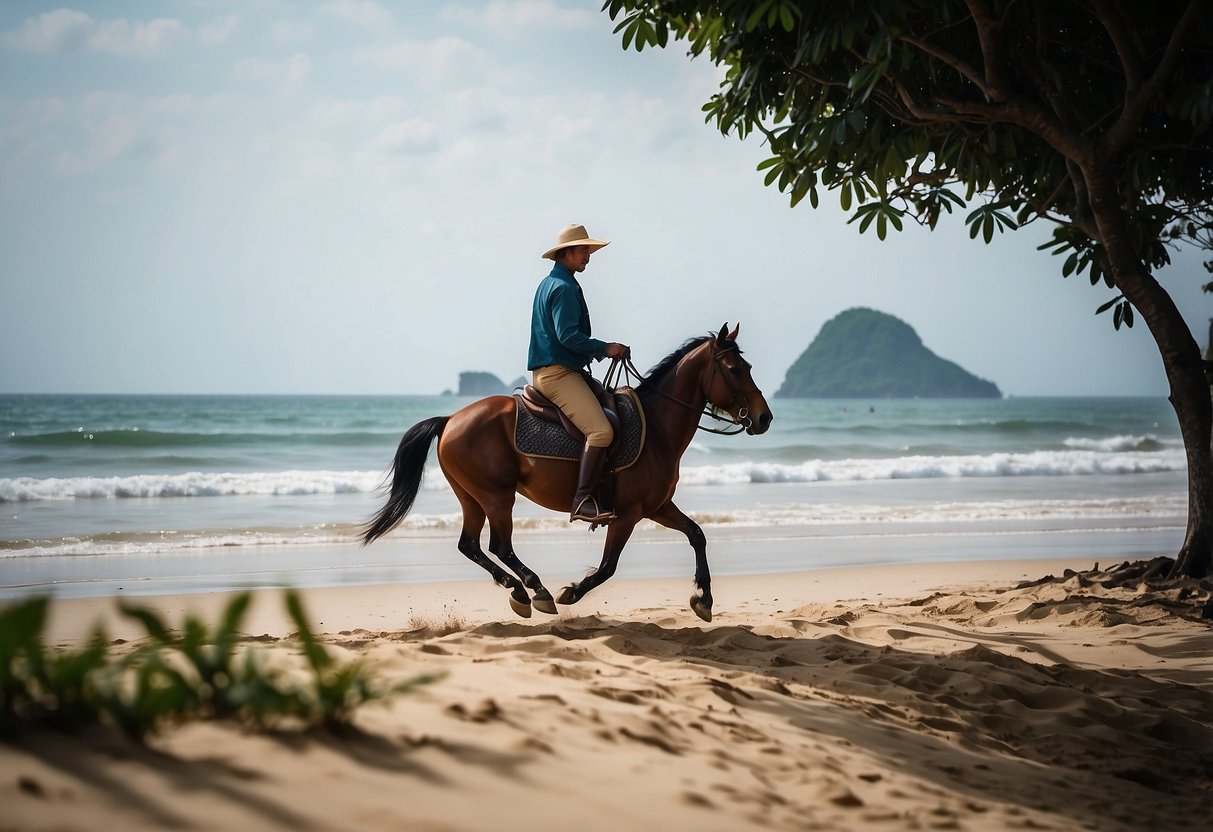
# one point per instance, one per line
(731, 388)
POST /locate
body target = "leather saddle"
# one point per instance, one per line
(547, 410)
(540, 432)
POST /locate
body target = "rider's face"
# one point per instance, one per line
(577, 258)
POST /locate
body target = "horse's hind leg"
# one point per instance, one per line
(501, 532)
(469, 545)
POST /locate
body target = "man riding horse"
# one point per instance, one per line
(479, 456)
(561, 348)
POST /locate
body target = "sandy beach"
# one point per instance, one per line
(897, 697)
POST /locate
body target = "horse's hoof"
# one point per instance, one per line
(701, 609)
(520, 608)
(567, 596)
(544, 604)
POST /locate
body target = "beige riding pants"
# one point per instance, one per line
(571, 394)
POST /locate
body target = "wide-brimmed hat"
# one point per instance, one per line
(573, 235)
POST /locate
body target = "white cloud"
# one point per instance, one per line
(298, 67)
(56, 31)
(483, 108)
(293, 70)
(218, 31)
(359, 12)
(519, 16)
(443, 58)
(121, 38)
(291, 32)
(107, 140)
(358, 113)
(412, 136)
(67, 30)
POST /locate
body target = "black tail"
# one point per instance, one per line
(407, 471)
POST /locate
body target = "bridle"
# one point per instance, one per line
(622, 371)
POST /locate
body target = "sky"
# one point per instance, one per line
(351, 197)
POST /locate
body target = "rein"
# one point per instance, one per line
(622, 371)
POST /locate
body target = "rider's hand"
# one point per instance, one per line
(617, 350)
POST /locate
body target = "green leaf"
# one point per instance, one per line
(786, 17)
(751, 22)
(1070, 265)
(152, 623)
(628, 33)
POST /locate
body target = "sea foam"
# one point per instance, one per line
(194, 484)
(1035, 464)
(1076, 462)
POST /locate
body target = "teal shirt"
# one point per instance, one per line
(560, 324)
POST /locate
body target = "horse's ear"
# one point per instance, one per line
(733, 334)
(723, 335)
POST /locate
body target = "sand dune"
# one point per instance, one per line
(933, 697)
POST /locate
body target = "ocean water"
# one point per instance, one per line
(206, 491)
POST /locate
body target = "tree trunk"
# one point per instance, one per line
(1181, 360)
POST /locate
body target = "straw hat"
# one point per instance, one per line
(573, 235)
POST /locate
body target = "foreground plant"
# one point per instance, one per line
(197, 672)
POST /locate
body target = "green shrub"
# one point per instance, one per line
(174, 676)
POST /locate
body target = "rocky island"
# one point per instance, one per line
(479, 383)
(865, 354)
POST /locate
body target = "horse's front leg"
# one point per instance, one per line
(618, 532)
(672, 517)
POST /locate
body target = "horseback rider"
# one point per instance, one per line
(560, 351)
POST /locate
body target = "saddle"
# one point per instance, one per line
(549, 411)
(542, 430)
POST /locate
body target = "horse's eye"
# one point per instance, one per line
(735, 370)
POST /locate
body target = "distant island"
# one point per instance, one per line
(477, 383)
(865, 354)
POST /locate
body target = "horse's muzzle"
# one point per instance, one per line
(761, 424)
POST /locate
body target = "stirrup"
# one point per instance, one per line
(598, 518)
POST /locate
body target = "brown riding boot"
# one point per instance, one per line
(585, 505)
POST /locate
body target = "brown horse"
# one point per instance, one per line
(476, 453)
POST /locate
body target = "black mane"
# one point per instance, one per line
(665, 365)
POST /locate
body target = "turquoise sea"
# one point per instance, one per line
(202, 492)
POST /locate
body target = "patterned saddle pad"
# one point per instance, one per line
(540, 438)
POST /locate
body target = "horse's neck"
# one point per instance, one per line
(676, 405)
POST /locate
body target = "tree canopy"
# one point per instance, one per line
(917, 107)
(1091, 115)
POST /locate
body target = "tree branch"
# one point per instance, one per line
(1130, 60)
(926, 115)
(969, 73)
(988, 31)
(1030, 118)
(1043, 210)
(1051, 83)
(1082, 218)
(1138, 104)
